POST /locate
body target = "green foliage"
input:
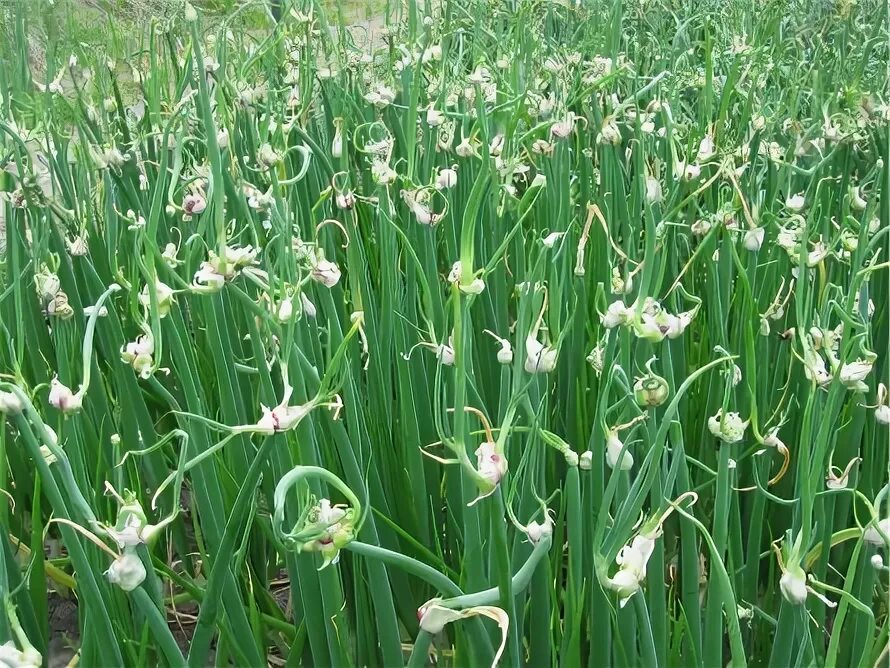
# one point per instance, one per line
(530, 332)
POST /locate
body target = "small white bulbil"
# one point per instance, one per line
(616, 314)
(625, 583)
(193, 204)
(381, 96)
(700, 227)
(815, 256)
(882, 410)
(788, 238)
(285, 310)
(539, 358)
(857, 202)
(632, 561)
(138, 354)
(772, 150)
(830, 130)
(849, 240)
(48, 285)
(614, 456)
(445, 136)
(164, 294)
(651, 390)
(78, 246)
(345, 200)
(207, 279)
(795, 202)
(308, 307)
(871, 534)
(474, 287)
(129, 536)
(550, 240)
(431, 54)
(382, 173)
(454, 274)
(445, 354)
(585, 460)
(282, 417)
(337, 141)
(465, 148)
(434, 117)
(595, 358)
(505, 353)
(62, 398)
(814, 368)
(563, 127)
(241, 256)
(222, 138)
(480, 75)
(423, 215)
(127, 571)
(433, 618)
(111, 157)
(505, 356)
(877, 562)
(653, 190)
(754, 239)
(668, 324)
(793, 585)
(869, 307)
(610, 133)
(10, 403)
(691, 172)
(853, 374)
(326, 272)
(736, 374)
(706, 149)
(267, 157)
(729, 428)
(536, 531)
(169, 256)
(446, 179)
(59, 307)
(552, 65)
(490, 464)
(422, 212)
(652, 328)
(542, 147)
(12, 657)
(52, 436)
(620, 285)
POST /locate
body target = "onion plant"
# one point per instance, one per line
(519, 333)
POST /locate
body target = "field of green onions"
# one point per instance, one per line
(502, 332)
